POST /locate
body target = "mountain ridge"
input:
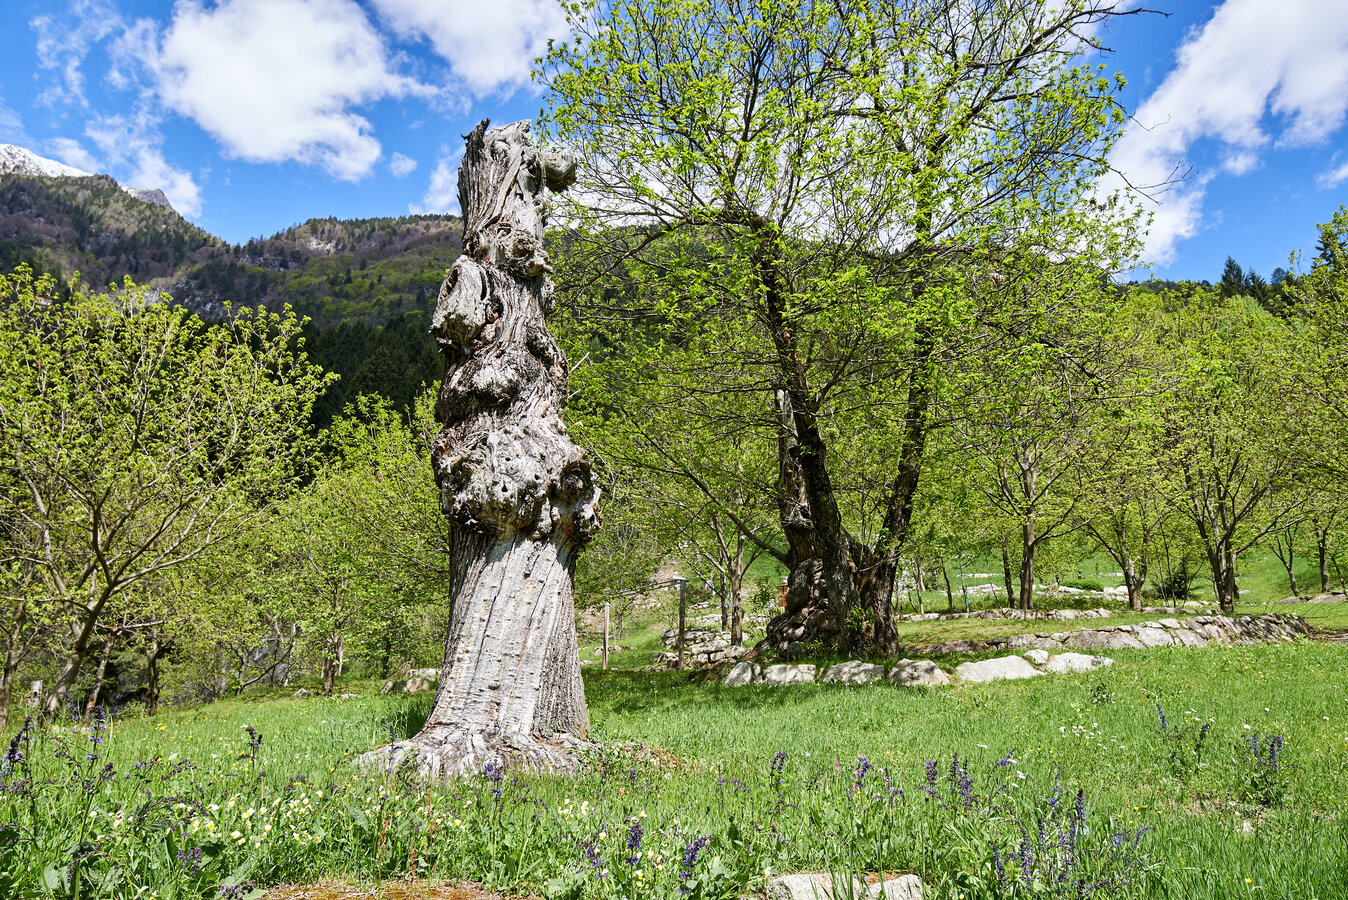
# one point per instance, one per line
(16, 160)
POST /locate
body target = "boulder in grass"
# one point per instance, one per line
(1003, 668)
(905, 887)
(854, 671)
(918, 673)
(743, 673)
(1037, 657)
(1064, 663)
(783, 674)
(823, 886)
(813, 886)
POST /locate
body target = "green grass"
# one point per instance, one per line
(1213, 819)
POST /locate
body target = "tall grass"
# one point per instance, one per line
(1055, 787)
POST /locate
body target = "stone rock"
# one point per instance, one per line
(854, 671)
(1003, 668)
(1037, 657)
(302, 693)
(783, 674)
(1064, 663)
(918, 673)
(905, 887)
(1188, 639)
(1153, 636)
(1171, 624)
(823, 886)
(417, 681)
(812, 886)
(743, 673)
(1032, 642)
(1103, 640)
(349, 697)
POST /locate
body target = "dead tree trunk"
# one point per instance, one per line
(518, 493)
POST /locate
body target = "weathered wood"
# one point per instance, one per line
(518, 493)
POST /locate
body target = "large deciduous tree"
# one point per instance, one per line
(850, 183)
(518, 493)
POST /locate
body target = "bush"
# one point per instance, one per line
(1084, 584)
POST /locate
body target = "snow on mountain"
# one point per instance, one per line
(22, 161)
(16, 160)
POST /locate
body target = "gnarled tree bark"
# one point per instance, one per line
(518, 493)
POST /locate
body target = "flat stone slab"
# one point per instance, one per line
(782, 674)
(1032, 641)
(1003, 668)
(743, 673)
(1103, 640)
(822, 886)
(918, 673)
(905, 887)
(1064, 663)
(1189, 639)
(854, 671)
(1149, 636)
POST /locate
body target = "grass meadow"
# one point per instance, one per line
(1219, 772)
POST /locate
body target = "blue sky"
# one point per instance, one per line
(253, 115)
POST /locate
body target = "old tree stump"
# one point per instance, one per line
(518, 493)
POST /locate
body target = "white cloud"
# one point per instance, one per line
(1247, 62)
(1334, 177)
(63, 42)
(402, 165)
(276, 80)
(72, 153)
(442, 194)
(489, 45)
(134, 144)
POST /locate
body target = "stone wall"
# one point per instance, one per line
(1198, 631)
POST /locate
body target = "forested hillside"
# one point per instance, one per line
(91, 226)
(330, 270)
(367, 286)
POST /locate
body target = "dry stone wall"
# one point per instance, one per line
(1197, 631)
(1040, 653)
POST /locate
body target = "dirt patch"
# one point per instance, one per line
(389, 890)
